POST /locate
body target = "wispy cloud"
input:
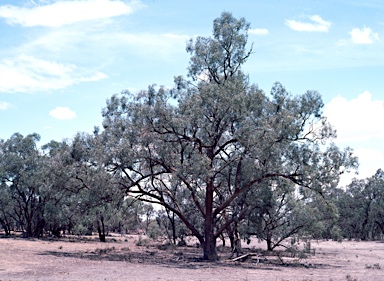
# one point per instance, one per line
(259, 31)
(316, 24)
(161, 46)
(59, 58)
(62, 113)
(364, 36)
(176, 36)
(28, 74)
(4, 105)
(62, 13)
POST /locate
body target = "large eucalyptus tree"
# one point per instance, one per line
(197, 148)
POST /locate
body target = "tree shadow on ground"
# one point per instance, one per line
(185, 257)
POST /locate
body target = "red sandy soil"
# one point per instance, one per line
(121, 259)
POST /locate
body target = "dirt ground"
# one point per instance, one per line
(120, 258)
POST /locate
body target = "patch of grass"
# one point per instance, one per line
(104, 251)
(373, 266)
(350, 278)
(164, 247)
(178, 253)
(142, 241)
(295, 251)
(151, 253)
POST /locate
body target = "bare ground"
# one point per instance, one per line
(121, 259)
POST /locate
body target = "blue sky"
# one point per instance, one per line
(60, 60)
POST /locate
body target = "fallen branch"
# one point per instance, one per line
(246, 256)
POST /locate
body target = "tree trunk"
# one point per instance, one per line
(39, 228)
(173, 228)
(101, 229)
(209, 248)
(28, 231)
(269, 241)
(6, 227)
(231, 237)
(237, 245)
(222, 239)
(209, 245)
(173, 225)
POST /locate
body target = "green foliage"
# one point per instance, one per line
(80, 229)
(171, 225)
(58, 188)
(142, 241)
(154, 231)
(220, 57)
(361, 208)
(24, 189)
(298, 250)
(279, 210)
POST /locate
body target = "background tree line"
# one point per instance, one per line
(57, 188)
(218, 156)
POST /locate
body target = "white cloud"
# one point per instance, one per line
(147, 40)
(359, 125)
(358, 119)
(160, 46)
(96, 77)
(371, 160)
(72, 41)
(62, 113)
(259, 31)
(4, 105)
(317, 24)
(363, 36)
(29, 74)
(62, 13)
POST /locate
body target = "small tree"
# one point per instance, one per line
(277, 211)
(273, 213)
